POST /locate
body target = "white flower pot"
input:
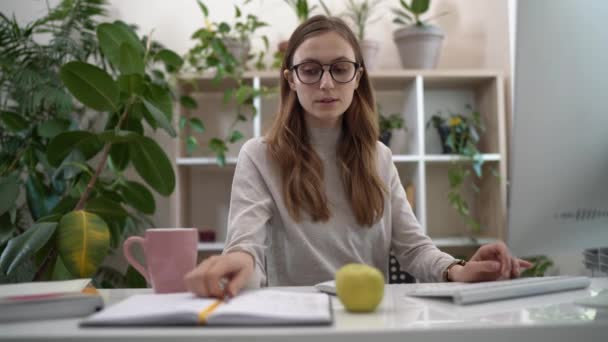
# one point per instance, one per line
(239, 49)
(369, 49)
(419, 46)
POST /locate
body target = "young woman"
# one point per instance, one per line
(319, 191)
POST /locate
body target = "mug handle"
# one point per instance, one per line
(130, 259)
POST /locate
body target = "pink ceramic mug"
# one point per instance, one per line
(170, 253)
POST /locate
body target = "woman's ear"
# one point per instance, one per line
(289, 77)
(358, 77)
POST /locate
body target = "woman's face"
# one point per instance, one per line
(324, 100)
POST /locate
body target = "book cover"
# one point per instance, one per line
(48, 300)
(252, 307)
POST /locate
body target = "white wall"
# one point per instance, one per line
(477, 30)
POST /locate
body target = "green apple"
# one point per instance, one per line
(359, 287)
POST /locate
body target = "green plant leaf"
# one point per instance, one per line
(203, 8)
(173, 62)
(139, 197)
(197, 125)
(7, 228)
(160, 118)
(24, 246)
(13, 121)
(63, 144)
(40, 199)
(130, 61)
(9, 190)
(188, 102)
(235, 136)
(90, 85)
(161, 98)
(60, 272)
(120, 137)
(119, 156)
(191, 145)
(53, 127)
(152, 164)
(419, 6)
(219, 147)
(243, 94)
(132, 84)
(107, 209)
(112, 35)
(83, 240)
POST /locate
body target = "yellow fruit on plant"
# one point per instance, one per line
(359, 287)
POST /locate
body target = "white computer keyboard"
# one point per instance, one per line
(467, 293)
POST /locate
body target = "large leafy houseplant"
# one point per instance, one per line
(73, 112)
(459, 134)
(211, 55)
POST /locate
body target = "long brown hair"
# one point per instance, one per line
(300, 166)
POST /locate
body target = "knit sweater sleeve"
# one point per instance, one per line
(413, 249)
(250, 211)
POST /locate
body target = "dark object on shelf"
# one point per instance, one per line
(206, 235)
(385, 138)
(444, 132)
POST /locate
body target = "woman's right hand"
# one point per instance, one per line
(221, 275)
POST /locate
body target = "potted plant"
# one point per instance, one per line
(236, 39)
(389, 123)
(302, 10)
(459, 135)
(69, 130)
(210, 54)
(419, 43)
(361, 13)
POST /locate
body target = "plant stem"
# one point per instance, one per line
(102, 164)
(45, 264)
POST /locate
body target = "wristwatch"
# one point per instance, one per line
(446, 273)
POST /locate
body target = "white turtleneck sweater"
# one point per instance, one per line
(289, 253)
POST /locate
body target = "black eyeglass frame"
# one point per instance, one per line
(295, 68)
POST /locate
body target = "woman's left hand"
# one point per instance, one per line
(490, 262)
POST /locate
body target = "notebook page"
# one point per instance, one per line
(274, 307)
(164, 309)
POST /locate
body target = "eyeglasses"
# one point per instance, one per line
(312, 72)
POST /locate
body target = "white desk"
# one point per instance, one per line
(551, 317)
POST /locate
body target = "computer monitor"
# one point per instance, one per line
(558, 192)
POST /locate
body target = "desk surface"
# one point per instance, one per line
(551, 317)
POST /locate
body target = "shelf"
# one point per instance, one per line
(203, 161)
(452, 157)
(462, 242)
(397, 158)
(210, 246)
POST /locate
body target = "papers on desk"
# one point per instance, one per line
(253, 307)
(327, 287)
(48, 300)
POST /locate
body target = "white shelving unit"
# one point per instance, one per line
(204, 188)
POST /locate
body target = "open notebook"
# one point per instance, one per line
(253, 307)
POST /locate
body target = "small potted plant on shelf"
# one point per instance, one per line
(419, 43)
(211, 54)
(362, 13)
(459, 135)
(389, 123)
